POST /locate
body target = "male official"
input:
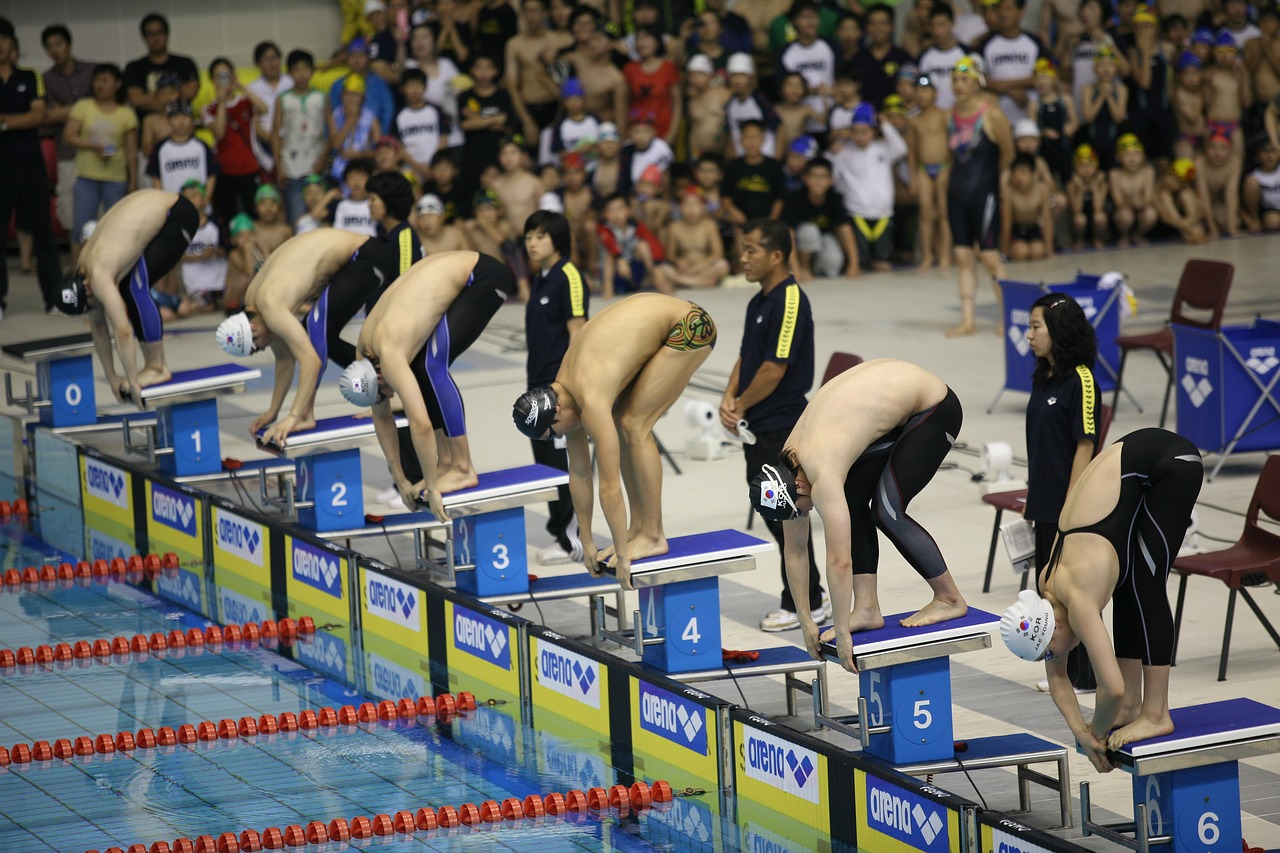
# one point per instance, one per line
(767, 388)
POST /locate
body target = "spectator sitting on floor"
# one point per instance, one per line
(694, 253)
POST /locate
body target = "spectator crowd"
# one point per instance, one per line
(920, 133)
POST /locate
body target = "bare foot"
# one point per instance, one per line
(1098, 245)
(456, 481)
(1126, 716)
(640, 547)
(1141, 242)
(937, 610)
(150, 376)
(925, 265)
(962, 331)
(881, 266)
(1142, 728)
(1122, 243)
(944, 265)
(869, 620)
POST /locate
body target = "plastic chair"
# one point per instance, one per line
(1203, 288)
(1252, 561)
(1016, 501)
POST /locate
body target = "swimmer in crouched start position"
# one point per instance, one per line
(623, 370)
(1121, 527)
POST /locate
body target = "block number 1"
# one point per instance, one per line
(195, 439)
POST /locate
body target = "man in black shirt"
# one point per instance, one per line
(24, 184)
(824, 239)
(496, 23)
(879, 61)
(557, 308)
(770, 379)
(754, 184)
(142, 76)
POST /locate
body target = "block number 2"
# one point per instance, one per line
(339, 494)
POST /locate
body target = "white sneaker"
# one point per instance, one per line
(389, 497)
(823, 613)
(779, 620)
(1043, 686)
(554, 555)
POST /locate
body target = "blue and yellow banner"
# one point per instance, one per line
(241, 546)
(482, 653)
(107, 491)
(782, 787)
(315, 579)
(392, 610)
(673, 736)
(175, 522)
(569, 685)
(392, 670)
(895, 817)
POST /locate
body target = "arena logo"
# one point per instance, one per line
(316, 568)
(908, 818)
(674, 718)
(481, 637)
(237, 608)
(571, 765)
(324, 653)
(180, 587)
(105, 482)
(1003, 842)
(761, 840)
(781, 765)
(104, 547)
(239, 538)
(686, 817)
(391, 600)
(569, 674)
(1261, 360)
(1197, 390)
(1019, 320)
(493, 728)
(173, 509)
(392, 681)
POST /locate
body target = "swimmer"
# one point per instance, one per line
(1121, 528)
(424, 320)
(136, 243)
(622, 371)
(868, 442)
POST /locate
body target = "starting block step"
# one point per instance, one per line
(1186, 785)
(64, 393)
(186, 439)
(904, 686)
(780, 660)
(561, 587)
(249, 468)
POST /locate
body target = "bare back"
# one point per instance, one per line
(300, 269)
(409, 311)
(1088, 564)
(123, 234)
(855, 408)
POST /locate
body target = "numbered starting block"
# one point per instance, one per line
(904, 686)
(677, 628)
(482, 546)
(183, 436)
(1186, 786)
(326, 491)
(63, 394)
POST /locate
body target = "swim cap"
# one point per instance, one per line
(86, 230)
(1104, 51)
(235, 335)
(1046, 66)
(240, 223)
(193, 183)
(894, 104)
(1225, 40)
(534, 412)
(1026, 127)
(1144, 15)
(266, 191)
(1183, 169)
(864, 113)
(572, 88)
(75, 296)
(359, 383)
(1027, 626)
(970, 67)
(1128, 142)
(700, 62)
(1203, 35)
(1086, 154)
(805, 146)
(354, 83)
(773, 493)
(741, 63)
(1189, 60)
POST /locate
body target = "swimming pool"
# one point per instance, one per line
(229, 785)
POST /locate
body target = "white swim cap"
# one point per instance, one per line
(86, 230)
(235, 335)
(359, 383)
(1028, 625)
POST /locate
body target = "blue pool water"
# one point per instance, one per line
(143, 796)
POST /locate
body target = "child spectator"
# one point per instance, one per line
(313, 200)
(653, 84)
(1087, 194)
(795, 113)
(182, 157)
(1026, 216)
(1133, 188)
(1202, 42)
(1178, 202)
(754, 183)
(847, 99)
(824, 234)
(518, 191)
(606, 178)
(1080, 54)
(243, 262)
(1188, 106)
(1261, 210)
(349, 210)
(929, 156)
(706, 97)
(1026, 140)
(942, 54)
(864, 176)
(1104, 106)
(1228, 94)
(1056, 118)
(104, 133)
(814, 59)
(905, 84)
(388, 156)
(1175, 34)
(631, 252)
(646, 150)
(708, 177)
(421, 127)
(576, 130)
(445, 184)
(300, 134)
(434, 232)
(231, 118)
(155, 126)
(746, 103)
(580, 209)
(848, 37)
(550, 200)
(650, 202)
(204, 264)
(1150, 107)
(355, 130)
(487, 117)
(1218, 184)
(490, 233)
(801, 150)
(1264, 76)
(694, 253)
(270, 229)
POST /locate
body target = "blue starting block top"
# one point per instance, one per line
(50, 348)
(327, 433)
(894, 635)
(216, 378)
(498, 484)
(703, 548)
(1214, 724)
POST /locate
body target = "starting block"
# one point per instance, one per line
(677, 628)
(183, 436)
(904, 686)
(327, 490)
(1186, 785)
(64, 393)
(484, 541)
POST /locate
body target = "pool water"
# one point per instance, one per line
(208, 788)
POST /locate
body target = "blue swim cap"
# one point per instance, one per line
(1189, 60)
(1203, 35)
(864, 114)
(572, 88)
(805, 146)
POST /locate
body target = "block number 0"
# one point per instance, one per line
(339, 493)
(1155, 818)
(73, 394)
(1207, 828)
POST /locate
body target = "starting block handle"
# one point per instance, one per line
(149, 449)
(634, 638)
(1140, 840)
(286, 498)
(862, 732)
(30, 402)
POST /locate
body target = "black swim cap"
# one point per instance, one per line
(773, 493)
(74, 297)
(534, 412)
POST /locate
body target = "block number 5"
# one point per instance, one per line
(922, 717)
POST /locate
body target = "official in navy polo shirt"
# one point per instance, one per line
(769, 382)
(557, 309)
(23, 182)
